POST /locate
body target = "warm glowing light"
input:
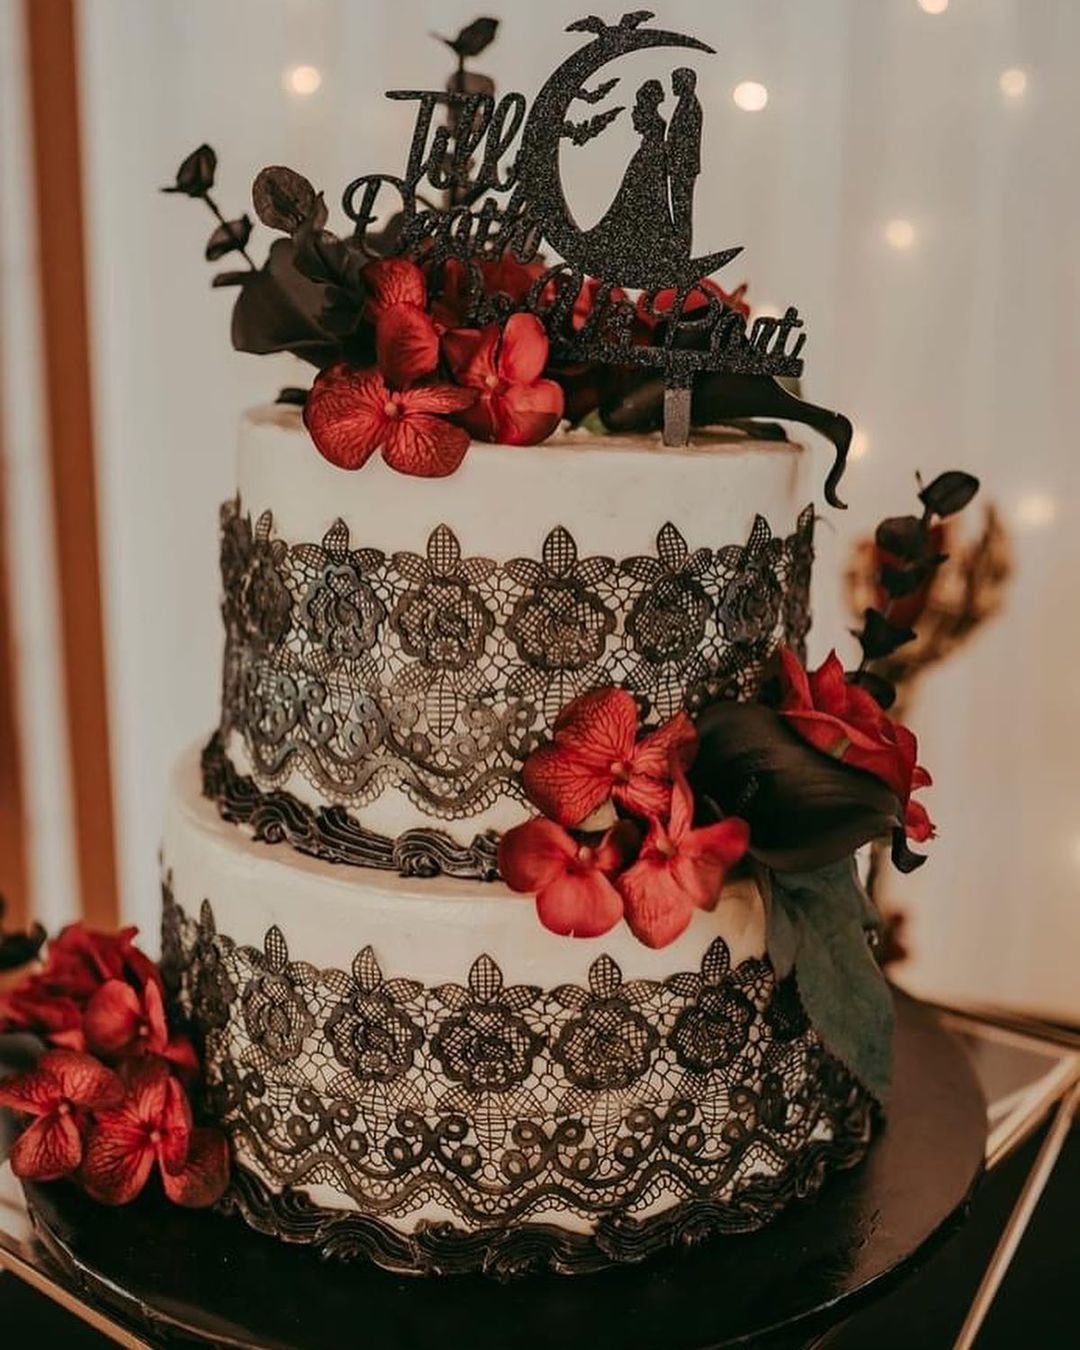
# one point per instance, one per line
(302, 80)
(750, 96)
(860, 444)
(1013, 82)
(1036, 510)
(933, 6)
(900, 234)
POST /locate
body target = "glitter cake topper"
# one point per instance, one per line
(499, 203)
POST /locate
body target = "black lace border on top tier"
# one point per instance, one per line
(331, 834)
(292, 1216)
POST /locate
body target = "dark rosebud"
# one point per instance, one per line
(473, 38)
(906, 537)
(949, 492)
(195, 177)
(292, 395)
(903, 858)
(283, 198)
(881, 638)
(882, 691)
(228, 238)
(230, 279)
(898, 581)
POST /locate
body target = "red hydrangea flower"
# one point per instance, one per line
(121, 1021)
(30, 1007)
(351, 413)
(596, 756)
(406, 337)
(571, 880)
(679, 869)
(844, 721)
(696, 300)
(58, 1092)
(515, 406)
(150, 1128)
(504, 275)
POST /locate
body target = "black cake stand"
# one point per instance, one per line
(174, 1274)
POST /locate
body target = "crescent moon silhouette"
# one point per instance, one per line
(539, 177)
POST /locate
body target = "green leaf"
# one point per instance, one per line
(818, 922)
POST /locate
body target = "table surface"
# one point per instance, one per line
(1026, 1071)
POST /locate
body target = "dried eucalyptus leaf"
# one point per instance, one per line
(231, 279)
(229, 238)
(474, 38)
(949, 492)
(278, 310)
(283, 198)
(195, 176)
(881, 638)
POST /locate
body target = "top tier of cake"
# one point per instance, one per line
(396, 647)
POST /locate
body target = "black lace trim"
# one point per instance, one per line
(333, 835)
(437, 674)
(707, 1096)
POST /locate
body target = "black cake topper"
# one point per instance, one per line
(701, 347)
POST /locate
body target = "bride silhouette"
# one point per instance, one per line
(637, 229)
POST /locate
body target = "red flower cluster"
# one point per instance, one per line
(434, 384)
(846, 722)
(598, 759)
(108, 1102)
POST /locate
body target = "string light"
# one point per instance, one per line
(900, 234)
(1036, 510)
(1013, 82)
(860, 444)
(933, 6)
(303, 80)
(750, 96)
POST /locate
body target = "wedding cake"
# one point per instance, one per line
(493, 904)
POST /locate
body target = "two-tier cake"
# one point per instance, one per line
(508, 902)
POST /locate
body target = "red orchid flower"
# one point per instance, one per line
(679, 869)
(352, 413)
(120, 1022)
(596, 756)
(58, 1092)
(152, 1127)
(515, 405)
(844, 721)
(571, 880)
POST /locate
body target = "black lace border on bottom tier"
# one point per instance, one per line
(331, 834)
(507, 1252)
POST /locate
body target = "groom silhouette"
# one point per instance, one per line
(683, 153)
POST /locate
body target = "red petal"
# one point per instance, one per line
(154, 1004)
(437, 398)
(602, 724)
(480, 420)
(828, 687)
(406, 345)
(204, 1176)
(579, 904)
(681, 819)
(116, 1161)
(82, 1079)
(678, 738)
(113, 1017)
(644, 796)
(34, 1093)
(796, 684)
(52, 1147)
(534, 854)
(176, 1126)
(617, 847)
(920, 778)
(394, 281)
(523, 351)
(425, 446)
(345, 414)
(563, 784)
(705, 856)
(657, 909)
(470, 354)
(181, 1055)
(526, 414)
(917, 823)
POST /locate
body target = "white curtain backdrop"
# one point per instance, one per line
(961, 349)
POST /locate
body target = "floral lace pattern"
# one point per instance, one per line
(439, 673)
(501, 1101)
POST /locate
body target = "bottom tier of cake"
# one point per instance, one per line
(414, 1071)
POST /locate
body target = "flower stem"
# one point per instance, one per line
(229, 230)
